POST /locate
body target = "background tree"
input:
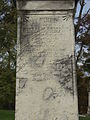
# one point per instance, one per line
(7, 54)
(82, 34)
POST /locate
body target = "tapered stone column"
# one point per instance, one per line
(46, 84)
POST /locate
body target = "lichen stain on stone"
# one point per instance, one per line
(62, 70)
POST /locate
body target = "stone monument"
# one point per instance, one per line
(46, 84)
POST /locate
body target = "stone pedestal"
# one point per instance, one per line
(46, 84)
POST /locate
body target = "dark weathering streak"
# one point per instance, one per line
(63, 71)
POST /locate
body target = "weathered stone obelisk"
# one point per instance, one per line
(46, 85)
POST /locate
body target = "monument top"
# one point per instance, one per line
(45, 4)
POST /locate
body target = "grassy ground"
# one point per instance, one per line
(10, 115)
(7, 115)
(84, 118)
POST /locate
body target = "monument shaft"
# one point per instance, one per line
(46, 84)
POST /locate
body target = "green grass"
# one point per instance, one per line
(7, 115)
(10, 115)
(84, 118)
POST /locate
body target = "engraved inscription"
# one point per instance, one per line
(22, 82)
(39, 76)
(32, 34)
(22, 85)
(48, 93)
(51, 94)
(38, 58)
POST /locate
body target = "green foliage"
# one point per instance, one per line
(7, 54)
